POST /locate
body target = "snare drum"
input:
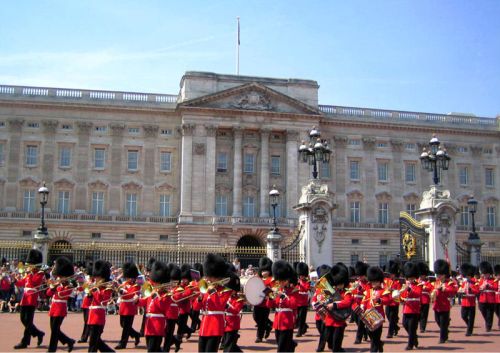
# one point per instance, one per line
(372, 319)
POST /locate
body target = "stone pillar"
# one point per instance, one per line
(49, 150)
(149, 206)
(437, 213)
(398, 169)
(210, 161)
(274, 245)
(264, 173)
(82, 166)
(186, 169)
(474, 246)
(341, 172)
(315, 210)
(15, 163)
(116, 167)
(238, 172)
(41, 243)
(292, 159)
(368, 181)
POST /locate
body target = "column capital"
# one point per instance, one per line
(397, 144)
(150, 130)
(211, 130)
(476, 150)
(238, 131)
(117, 129)
(15, 123)
(84, 127)
(292, 135)
(265, 131)
(50, 125)
(340, 141)
(368, 143)
(187, 129)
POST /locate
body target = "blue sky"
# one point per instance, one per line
(430, 56)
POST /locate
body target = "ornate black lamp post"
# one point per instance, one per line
(317, 151)
(435, 158)
(472, 203)
(274, 236)
(44, 196)
(274, 196)
(473, 242)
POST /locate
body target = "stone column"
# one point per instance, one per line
(368, 183)
(49, 160)
(210, 161)
(15, 163)
(82, 166)
(396, 187)
(149, 205)
(116, 168)
(264, 173)
(341, 172)
(292, 153)
(238, 172)
(186, 168)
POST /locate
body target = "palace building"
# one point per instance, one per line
(196, 168)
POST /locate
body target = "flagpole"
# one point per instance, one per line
(238, 48)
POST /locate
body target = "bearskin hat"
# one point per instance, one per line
(35, 257)
(63, 267)
(322, 270)
(130, 270)
(441, 267)
(199, 267)
(234, 282)
(282, 270)
(102, 269)
(394, 268)
(338, 275)
(265, 264)
(410, 270)
(485, 268)
(89, 268)
(302, 269)
(352, 272)
(160, 272)
(186, 272)
(375, 274)
(343, 265)
(423, 269)
(361, 268)
(215, 266)
(175, 272)
(149, 266)
(497, 269)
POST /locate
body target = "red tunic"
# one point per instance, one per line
(156, 311)
(447, 290)
(233, 313)
(427, 287)
(497, 294)
(212, 307)
(376, 298)
(59, 303)
(316, 298)
(127, 300)
(284, 304)
(269, 282)
(412, 299)
(469, 289)
(97, 309)
(183, 291)
(346, 301)
(302, 296)
(360, 287)
(487, 290)
(390, 285)
(31, 282)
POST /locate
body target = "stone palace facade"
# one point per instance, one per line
(197, 167)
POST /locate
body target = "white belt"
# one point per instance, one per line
(173, 304)
(303, 292)
(155, 315)
(127, 300)
(59, 301)
(470, 295)
(283, 310)
(426, 293)
(488, 291)
(231, 314)
(359, 296)
(28, 289)
(97, 307)
(412, 299)
(214, 312)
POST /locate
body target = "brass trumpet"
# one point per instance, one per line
(205, 285)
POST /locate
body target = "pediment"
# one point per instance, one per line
(132, 186)
(29, 182)
(165, 187)
(64, 183)
(253, 97)
(98, 184)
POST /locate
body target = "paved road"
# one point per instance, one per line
(481, 341)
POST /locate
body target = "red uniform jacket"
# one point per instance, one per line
(303, 288)
(412, 299)
(469, 289)
(233, 313)
(212, 307)
(376, 298)
(427, 287)
(269, 282)
(360, 287)
(487, 290)
(497, 292)
(30, 282)
(156, 311)
(97, 309)
(390, 285)
(448, 289)
(183, 291)
(345, 302)
(194, 287)
(59, 304)
(128, 304)
(173, 309)
(284, 304)
(317, 297)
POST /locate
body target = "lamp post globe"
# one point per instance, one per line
(435, 158)
(317, 151)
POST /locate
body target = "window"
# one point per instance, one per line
(165, 161)
(222, 162)
(133, 130)
(95, 235)
(131, 205)
(383, 171)
(27, 233)
(354, 241)
(63, 202)
(99, 158)
(382, 260)
(324, 170)
(166, 132)
(101, 128)
(463, 175)
(487, 150)
(164, 237)
(129, 236)
(132, 159)
(383, 213)
(29, 201)
(2, 123)
(65, 157)
(355, 211)
(67, 127)
(2, 153)
(462, 149)
(382, 144)
(491, 244)
(410, 146)
(275, 165)
(249, 162)
(97, 203)
(34, 125)
(489, 177)
(354, 170)
(384, 242)
(464, 215)
(249, 206)
(354, 142)
(410, 172)
(491, 216)
(411, 208)
(165, 205)
(31, 155)
(354, 259)
(221, 205)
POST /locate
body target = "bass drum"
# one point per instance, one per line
(254, 290)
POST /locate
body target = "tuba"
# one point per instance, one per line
(330, 295)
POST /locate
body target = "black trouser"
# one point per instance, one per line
(497, 311)
(469, 315)
(376, 342)
(182, 326)
(334, 336)
(230, 341)
(209, 343)
(195, 319)
(424, 315)
(410, 323)
(284, 339)
(361, 331)
(323, 336)
(261, 317)
(143, 324)
(153, 343)
(169, 335)
(95, 341)
(443, 321)
(85, 332)
(301, 320)
(487, 310)
(126, 322)
(392, 313)
(30, 330)
(56, 334)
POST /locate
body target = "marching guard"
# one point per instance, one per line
(444, 289)
(469, 289)
(318, 297)
(173, 310)
(128, 291)
(487, 293)
(86, 303)
(497, 294)
(425, 301)
(261, 312)
(303, 288)
(233, 315)
(392, 282)
(410, 295)
(195, 314)
(360, 287)
(184, 303)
